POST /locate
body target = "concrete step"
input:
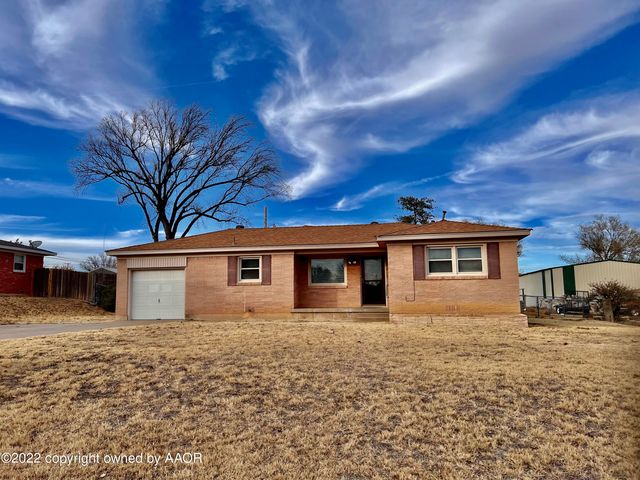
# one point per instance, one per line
(342, 316)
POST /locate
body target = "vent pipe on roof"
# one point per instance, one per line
(444, 214)
(266, 224)
(239, 227)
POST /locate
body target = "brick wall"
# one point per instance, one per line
(122, 290)
(314, 296)
(454, 296)
(18, 282)
(209, 297)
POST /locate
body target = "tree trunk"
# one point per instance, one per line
(607, 310)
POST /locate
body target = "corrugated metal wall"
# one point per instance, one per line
(626, 273)
(540, 283)
(558, 282)
(532, 284)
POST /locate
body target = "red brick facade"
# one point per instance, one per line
(18, 282)
(412, 293)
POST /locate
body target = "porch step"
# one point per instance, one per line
(362, 314)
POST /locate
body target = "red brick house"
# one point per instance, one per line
(444, 270)
(17, 264)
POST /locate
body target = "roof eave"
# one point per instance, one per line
(39, 252)
(231, 249)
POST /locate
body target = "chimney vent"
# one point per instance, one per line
(239, 227)
(374, 223)
(444, 214)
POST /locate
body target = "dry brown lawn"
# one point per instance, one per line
(328, 401)
(18, 309)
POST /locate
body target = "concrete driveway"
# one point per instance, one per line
(8, 332)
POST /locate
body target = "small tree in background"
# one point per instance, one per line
(102, 260)
(420, 210)
(606, 238)
(613, 295)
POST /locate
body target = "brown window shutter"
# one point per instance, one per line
(232, 271)
(266, 270)
(493, 259)
(418, 262)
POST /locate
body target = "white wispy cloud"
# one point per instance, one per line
(67, 64)
(576, 161)
(354, 202)
(14, 188)
(228, 57)
(393, 75)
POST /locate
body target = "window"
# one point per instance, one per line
(469, 259)
(249, 268)
(327, 271)
(440, 260)
(462, 260)
(19, 263)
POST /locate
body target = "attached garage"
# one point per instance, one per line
(157, 295)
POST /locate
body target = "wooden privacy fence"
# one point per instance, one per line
(53, 282)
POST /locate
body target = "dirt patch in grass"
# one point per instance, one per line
(17, 309)
(328, 401)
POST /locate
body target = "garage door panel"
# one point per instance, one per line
(157, 294)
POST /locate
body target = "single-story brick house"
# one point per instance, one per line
(17, 264)
(441, 270)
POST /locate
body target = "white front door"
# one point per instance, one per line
(157, 295)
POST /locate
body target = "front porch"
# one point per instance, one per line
(343, 284)
(358, 314)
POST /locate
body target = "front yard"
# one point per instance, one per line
(16, 309)
(321, 400)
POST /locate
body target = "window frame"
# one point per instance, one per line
(24, 263)
(454, 260)
(311, 283)
(240, 269)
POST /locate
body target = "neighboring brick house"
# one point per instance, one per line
(444, 270)
(17, 264)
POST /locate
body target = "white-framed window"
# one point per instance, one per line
(327, 271)
(19, 263)
(249, 269)
(456, 260)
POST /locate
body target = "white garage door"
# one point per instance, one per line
(157, 295)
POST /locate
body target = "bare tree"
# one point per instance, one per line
(607, 238)
(102, 260)
(178, 168)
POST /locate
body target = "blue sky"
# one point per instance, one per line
(525, 113)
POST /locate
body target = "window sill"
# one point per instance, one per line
(328, 285)
(457, 277)
(249, 282)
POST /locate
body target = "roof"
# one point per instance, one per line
(18, 247)
(105, 270)
(577, 264)
(338, 236)
(450, 226)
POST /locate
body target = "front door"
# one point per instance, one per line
(373, 290)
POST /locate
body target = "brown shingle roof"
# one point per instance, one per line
(451, 226)
(309, 235)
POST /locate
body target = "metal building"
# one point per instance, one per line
(575, 279)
